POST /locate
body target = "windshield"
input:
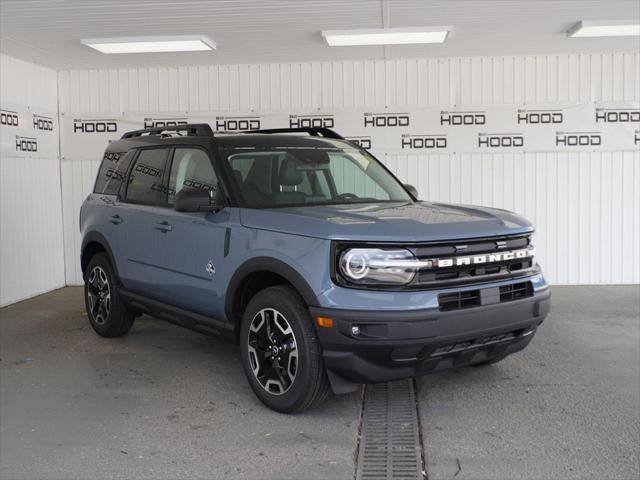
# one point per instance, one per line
(311, 176)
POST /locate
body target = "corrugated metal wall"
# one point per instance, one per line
(586, 205)
(31, 236)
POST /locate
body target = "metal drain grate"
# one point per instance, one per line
(390, 437)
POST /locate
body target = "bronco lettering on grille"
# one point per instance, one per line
(483, 258)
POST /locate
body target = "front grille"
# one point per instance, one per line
(473, 298)
(470, 274)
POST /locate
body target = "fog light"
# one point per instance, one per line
(355, 330)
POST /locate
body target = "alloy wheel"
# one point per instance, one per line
(273, 351)
(99, 295)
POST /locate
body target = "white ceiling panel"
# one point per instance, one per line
(262, 31)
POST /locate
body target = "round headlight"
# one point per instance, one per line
(376, 266)
(355, 264)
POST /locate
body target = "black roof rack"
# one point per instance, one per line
(192, 129)
(314, 132)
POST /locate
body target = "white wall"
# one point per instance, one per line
(586, 204)
(31, 243)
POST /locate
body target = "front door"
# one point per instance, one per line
(192, 248)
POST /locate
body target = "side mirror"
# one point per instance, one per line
(412, 190)
(194, 200)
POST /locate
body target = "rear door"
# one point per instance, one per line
(108, 187)
(145, 194)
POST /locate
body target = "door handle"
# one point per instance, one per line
(115, 219)
(164, 227)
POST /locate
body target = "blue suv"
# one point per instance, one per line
(305, 250)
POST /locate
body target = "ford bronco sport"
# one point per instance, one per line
(306, 251)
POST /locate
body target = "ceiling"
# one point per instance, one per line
(48, 32)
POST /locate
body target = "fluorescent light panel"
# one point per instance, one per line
(176, 43)
(385, 36)
(618, 28)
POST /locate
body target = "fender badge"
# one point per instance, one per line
(210, 269)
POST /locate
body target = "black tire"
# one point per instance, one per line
(309, 385)
(107, 314)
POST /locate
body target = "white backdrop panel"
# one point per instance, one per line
(31, 234)
(584, 198)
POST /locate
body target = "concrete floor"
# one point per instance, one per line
(568, 407)
(164, 402)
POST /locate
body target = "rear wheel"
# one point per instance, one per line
(108, 315)
(281, 354)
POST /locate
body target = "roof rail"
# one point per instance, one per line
(313, 131)
(192, 129)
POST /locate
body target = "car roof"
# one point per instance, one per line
(232, 141)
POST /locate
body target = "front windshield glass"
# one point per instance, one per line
(311, 176)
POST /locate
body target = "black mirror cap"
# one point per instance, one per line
(412, 190)
(194, 200)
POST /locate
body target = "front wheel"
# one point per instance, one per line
(281, 354)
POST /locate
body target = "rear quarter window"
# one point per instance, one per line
(112, 172)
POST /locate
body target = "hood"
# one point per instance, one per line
(388, 222)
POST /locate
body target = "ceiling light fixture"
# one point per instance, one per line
(175, 43)
(385, 36)
(615, 28)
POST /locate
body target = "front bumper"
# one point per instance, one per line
(392, 345)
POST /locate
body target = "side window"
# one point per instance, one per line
(116, 177)
(146, 178)
(344, 171)
(112, 172)
(191, 168)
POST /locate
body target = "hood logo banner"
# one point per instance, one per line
(407, 130)
(42, 122)
(26, 144)
(500, 140)
(575, 139)
(9, 118)
(540, 117)
(311, 121)
(362, 142)
(95, 126)
(156, 122)
(236, 124)
(417, 142)
(386, 119)
(28, 133)
(613, 115)
(453, 119)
